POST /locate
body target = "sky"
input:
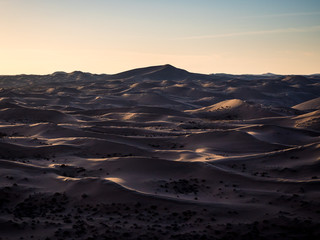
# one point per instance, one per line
(205, 36)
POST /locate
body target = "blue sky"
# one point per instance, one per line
(242, 36)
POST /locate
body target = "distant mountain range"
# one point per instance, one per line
(161, 72)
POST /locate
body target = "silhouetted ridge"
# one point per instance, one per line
(296, 79)
(169, 72)
(162, 72)
(59, 73)
(74, 76)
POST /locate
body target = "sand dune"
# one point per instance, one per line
(309, 120)
(282, 135)
(34, 115)
(159, 153)
(312, 104)
(229, 142)
(233, 109)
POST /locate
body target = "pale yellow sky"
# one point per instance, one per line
(201, 36)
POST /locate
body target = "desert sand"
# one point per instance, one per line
(159, 153)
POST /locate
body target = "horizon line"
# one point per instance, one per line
(212, 73)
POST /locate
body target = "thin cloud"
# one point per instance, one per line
(262, 32)
(296, 14)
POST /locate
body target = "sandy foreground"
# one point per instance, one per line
(159, 153)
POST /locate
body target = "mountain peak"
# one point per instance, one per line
(169, 66)
(160, 72)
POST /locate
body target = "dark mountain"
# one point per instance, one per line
(162, 72)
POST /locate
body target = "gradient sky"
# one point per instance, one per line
(207, 36)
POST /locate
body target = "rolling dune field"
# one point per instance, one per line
(159, 153)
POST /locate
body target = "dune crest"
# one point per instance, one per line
(233, 109)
